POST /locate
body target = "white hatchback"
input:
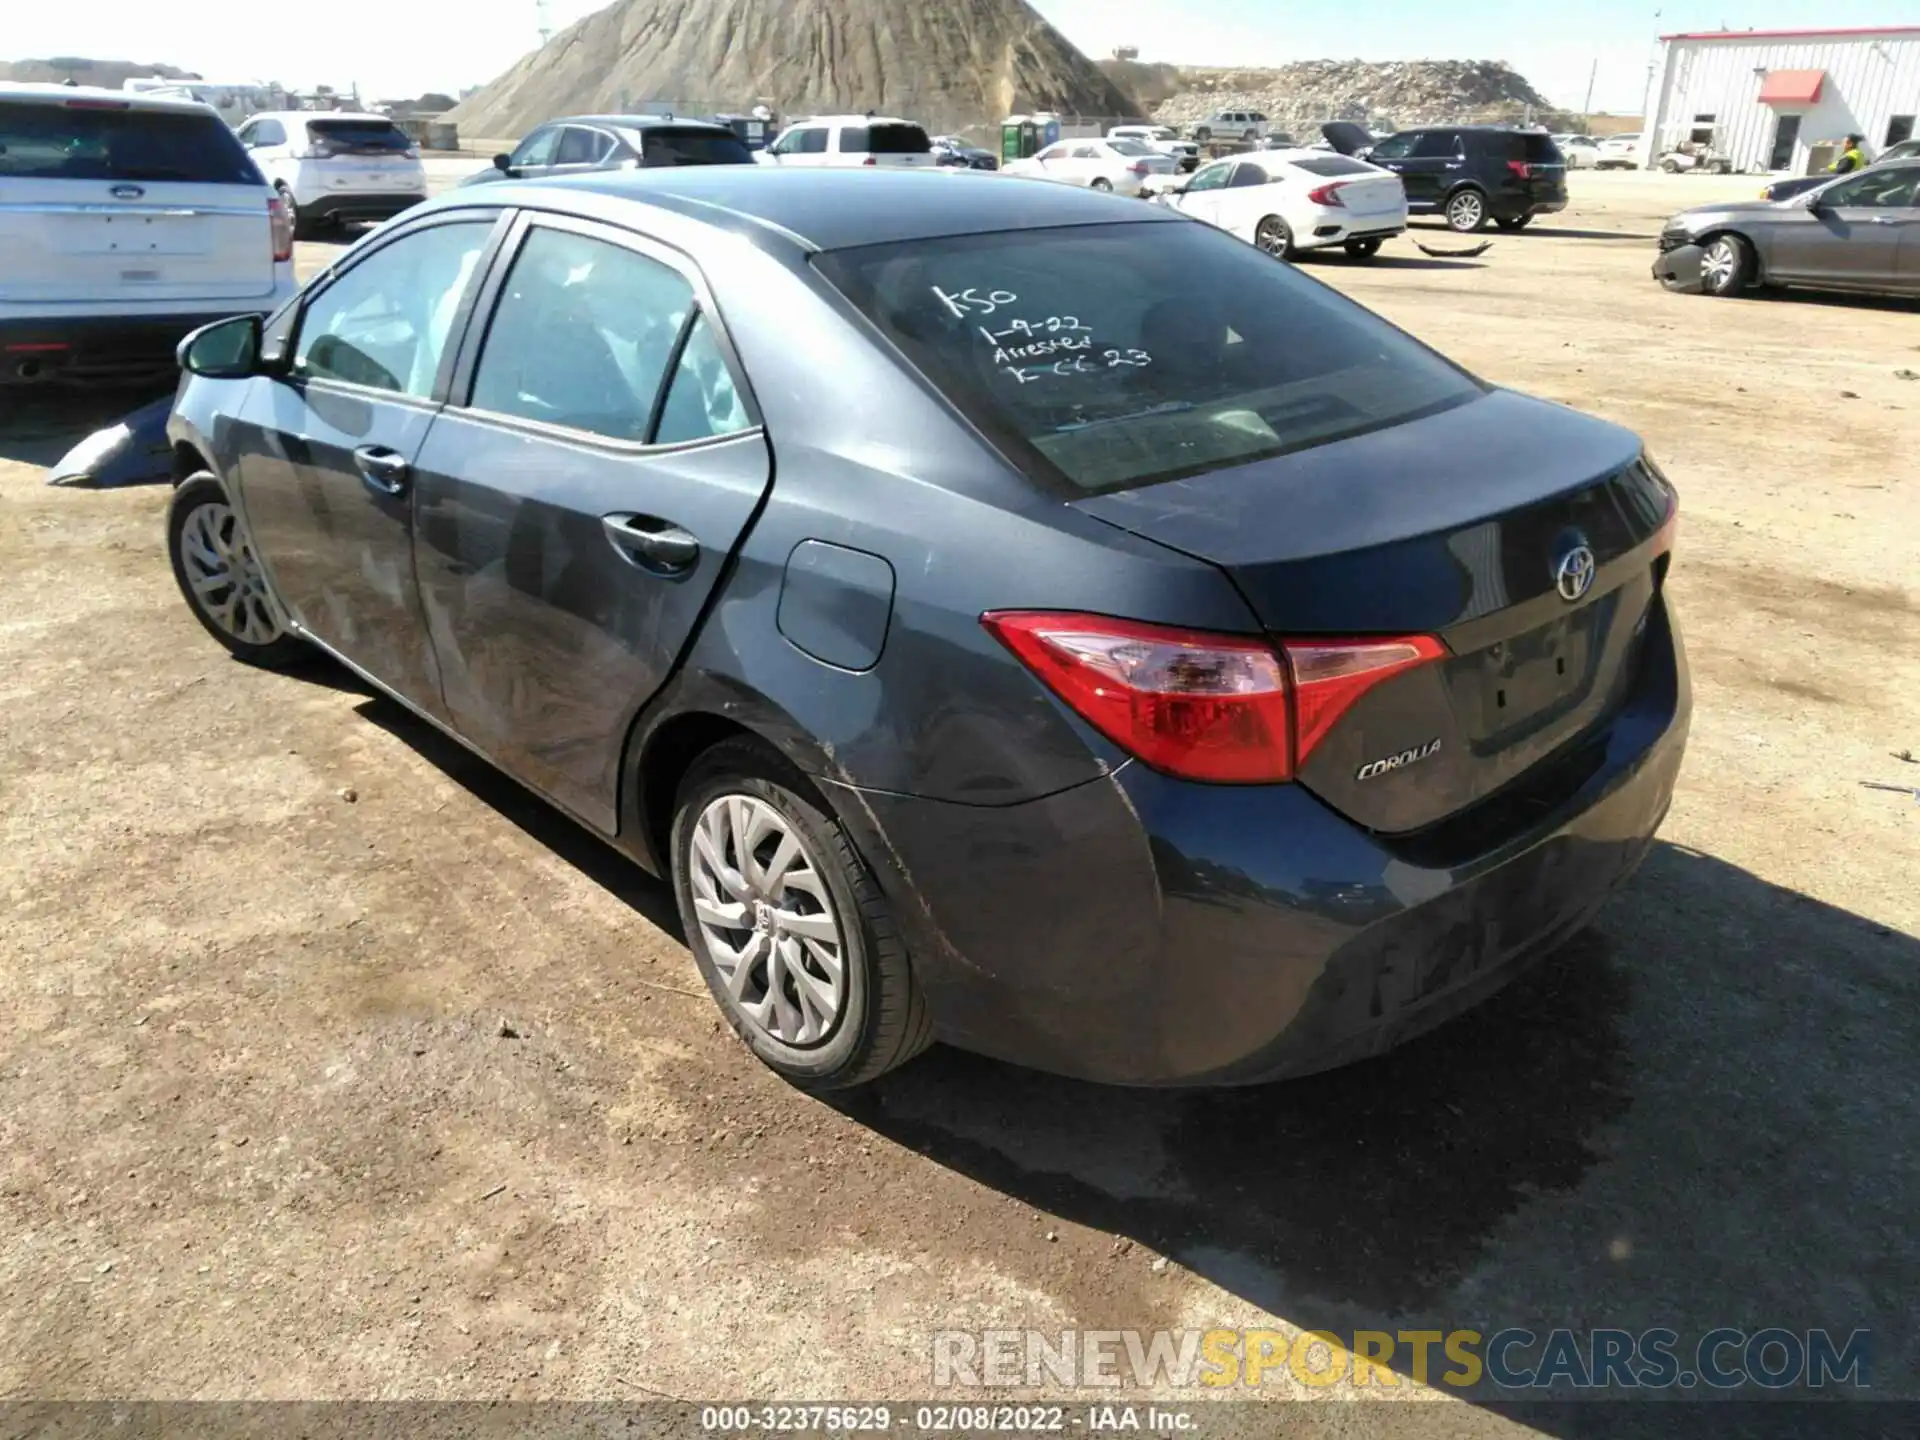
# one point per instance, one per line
(126, 221)
(1286, 201)
(333, 167)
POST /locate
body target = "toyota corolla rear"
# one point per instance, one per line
(1445, 730)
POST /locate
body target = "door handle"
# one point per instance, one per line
(651, 543)
(1884, 220)
(385, 471)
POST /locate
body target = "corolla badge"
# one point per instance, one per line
(1390, 763)
(1573, 575)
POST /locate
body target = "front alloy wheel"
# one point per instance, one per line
(219, 575)
(1725, 266)
(1274, 237)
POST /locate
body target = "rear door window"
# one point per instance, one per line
(702, 400)
(1439, 145)
(582, 336)
(692, 147)
(110, 140)
(853, 140)
(361, 137)
(1108, 356)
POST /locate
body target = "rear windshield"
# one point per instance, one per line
(1111, 356)
(884, 140)
(62, 141)
(360, 134)
(1333, 165)
(692, 147)
(1538, 149)
(1130, 147)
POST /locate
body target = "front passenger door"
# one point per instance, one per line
(326, 453)
(579, 501)
(534, 156)
(1854, 239)
(1201, 198)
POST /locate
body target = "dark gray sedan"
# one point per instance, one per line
(1007, 613)
(581, 144)
(1858, 232)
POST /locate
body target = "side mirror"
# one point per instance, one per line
(503, 163)
(224, 350)
(1812, 202)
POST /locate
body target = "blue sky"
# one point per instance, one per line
(402, 47)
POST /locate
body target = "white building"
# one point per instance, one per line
(1783, 100)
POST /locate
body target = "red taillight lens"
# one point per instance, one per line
(1329, 675)
(1225, 708)
(1328, 195)
(1140, 167)
(870, 160)
(281, 224)
(1521, 168)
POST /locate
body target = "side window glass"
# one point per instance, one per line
(854, 140)
(537, 148)
(1247, 175)
(272, 133)
(576, 147)
(702, 401)
(1435, 145)
(384, 323)
(581, 336)
(1211, 178)
(1395, 147)
(813, 141)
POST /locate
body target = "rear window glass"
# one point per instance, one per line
(692, 147)
(1539, 149)
(886, 140)
(360, 134)
(1333, 165)
(61, 142)
(1111, 356)
(1130, 147)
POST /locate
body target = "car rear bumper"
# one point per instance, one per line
(1148, 931)
(1329, 230)
(347, 208)
(103, 349)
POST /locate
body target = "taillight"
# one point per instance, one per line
(870, 160)
(280, 222)
(412, 152)
(1140, 167)
(1328, 195)
(1521, 168)
(1231, 709)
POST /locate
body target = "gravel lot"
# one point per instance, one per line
(262, 940)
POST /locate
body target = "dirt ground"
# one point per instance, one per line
(263, 939)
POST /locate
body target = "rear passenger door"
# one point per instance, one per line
(577, 501)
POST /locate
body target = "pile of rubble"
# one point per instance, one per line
(1382, 96)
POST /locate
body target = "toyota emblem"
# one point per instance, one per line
(1573, 576)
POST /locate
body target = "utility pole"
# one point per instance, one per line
(1592, 75)
(543, 19)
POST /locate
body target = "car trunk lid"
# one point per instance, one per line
(1467, 525)
(102, 201)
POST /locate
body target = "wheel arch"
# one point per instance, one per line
(1754, 248)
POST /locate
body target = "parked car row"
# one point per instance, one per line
(1275, 750)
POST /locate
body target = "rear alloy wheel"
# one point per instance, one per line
(1273, 236)
(1467, 212)
(1100, 182)
(788, 927)
(1363, 249)
(1726, 266)
(1514, 222)
(220, 576)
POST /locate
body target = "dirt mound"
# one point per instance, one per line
(949, 64)
(107, 74)
(1298, 97)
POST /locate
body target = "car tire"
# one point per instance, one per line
(1514, 222)
(1363, 249)
(1726, 266)
(1274, 237)
(1202, 134)
(302, 224)
(1100, 182)
(207, 543)
(1466, 211)
(810, 1032)
(1670, 167)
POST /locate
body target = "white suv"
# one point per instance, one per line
(831, 140)
(126, 221)
(1231, 125)
(332, 167)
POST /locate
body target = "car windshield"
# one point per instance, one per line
(1112, 356)
(367, 135)
(663, 147)
(1124, 146)
(107, 140)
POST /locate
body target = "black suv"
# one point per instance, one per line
(1470, 173)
